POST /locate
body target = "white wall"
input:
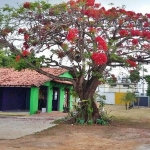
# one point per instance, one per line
(110, 97)
(118, 88)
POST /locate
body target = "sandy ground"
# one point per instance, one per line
(122, 134)
(75, 137)
(12, 127)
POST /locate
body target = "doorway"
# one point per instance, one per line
(66, 105)
(42, 97)
(55, 99)
(66, 98)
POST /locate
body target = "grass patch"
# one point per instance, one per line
(136, 117)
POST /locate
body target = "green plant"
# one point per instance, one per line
(147, 78)
(85, 112)
(101, 99)
(128, 98)
(101, 121)
(80, 116)
(89, 109)
(80, 120)
(105, 118)
(134, 76)
(111, 80)
(90, 122)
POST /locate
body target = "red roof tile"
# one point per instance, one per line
(27, 77)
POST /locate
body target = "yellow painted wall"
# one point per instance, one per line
(118, 96)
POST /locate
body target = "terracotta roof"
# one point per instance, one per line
(27, 77)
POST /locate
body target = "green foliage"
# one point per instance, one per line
(148, 92)
(80, 120)
(128, 97)
(116, 57)
(134, 76)
(105, 119)
(47, 26)
(147, 78)
(101, 121)
(7, 8)
(89, 109)
(7, 60)
(111, 80)
(22, 64)
(101, 99)
(98, 74)
(84, 112)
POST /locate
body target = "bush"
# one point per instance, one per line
(128, 98)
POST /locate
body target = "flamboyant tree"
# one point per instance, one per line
(81, 36)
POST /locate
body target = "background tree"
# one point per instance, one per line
(6, 59)
(10, 60)
(147, 78)
(128, 98)
(82, 37)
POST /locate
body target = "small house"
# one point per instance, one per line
(28, 90)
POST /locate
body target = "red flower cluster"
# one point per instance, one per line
(130, 25)
(92, 29)
(21, 30)
(123, 32)
(101, 43)
(90, 2)
(99, 58)
(27, 5)
(130, 13)
(91, 12)
(148, 15)
(72, 34)
(135, 41)
(131, 63)
(18, 58)
(25, 53)
(122, 11)
(111, 13)
(146, 46)
(146, 24)
(26, 37)
(97, 5)
(25, 45)
(146, 34)
(135, 33)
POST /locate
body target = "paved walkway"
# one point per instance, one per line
(12, 127)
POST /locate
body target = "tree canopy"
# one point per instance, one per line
(81, 36)
(10, 60)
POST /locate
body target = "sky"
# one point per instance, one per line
(139, 6)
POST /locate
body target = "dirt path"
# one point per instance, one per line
(75, 137)
(129, 131)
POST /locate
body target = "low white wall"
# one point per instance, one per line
(110, 97)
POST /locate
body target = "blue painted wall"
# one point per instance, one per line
(15, 98)
(144, 101)
(1, 97)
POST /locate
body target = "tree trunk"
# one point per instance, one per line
(86, 91)
(96, 113)
(126, 106)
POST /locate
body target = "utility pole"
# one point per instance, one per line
(143, 80)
